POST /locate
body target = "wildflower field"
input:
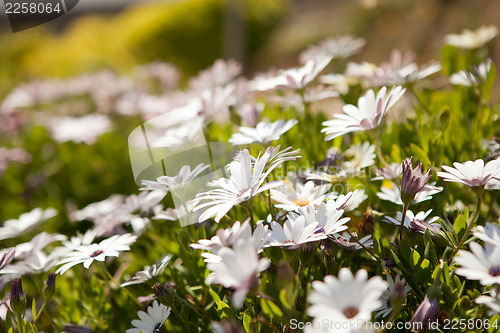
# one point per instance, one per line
(334, 196)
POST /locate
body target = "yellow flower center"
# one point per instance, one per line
(301, 202)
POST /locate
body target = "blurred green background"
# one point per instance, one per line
(259, 33)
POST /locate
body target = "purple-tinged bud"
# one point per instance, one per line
(230, 326)
(49, 288)
(17, 298)
(388, 263)
(425, 312)
(72, 328)
(285, 272)
(398, 296)
(164, 293)
(412, 180)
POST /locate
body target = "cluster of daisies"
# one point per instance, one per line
(304, 211)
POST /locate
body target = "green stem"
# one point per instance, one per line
(271, 207)
(361, 244)
(106, 274)
(255, 312)
(469, 226)
(40, 312)
(401, 226)
(20, 326)
(374, 133)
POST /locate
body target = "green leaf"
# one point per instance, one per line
(284, 299)
(420, 154)
(247, 320)
(270, 308)
(425, 270)
(405, 251)
(33, 308)
(224, 310)
(415, 259)
(396, 153)
(460, 226)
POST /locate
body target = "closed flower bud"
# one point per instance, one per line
(388, 263)
(164, 293)
(412, 180)
(17, 298)
(398, 297)
(426, 311)
(49, 288)
(285, 272)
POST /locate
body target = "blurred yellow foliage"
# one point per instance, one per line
(188, 33)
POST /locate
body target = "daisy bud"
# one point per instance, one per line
(388, 263)
(17, 298)
(285, 272)
(49, 288)
(164, 294)
(229, 326)
(72, 328)
(398, 297)
(412, 180)
(426, 311)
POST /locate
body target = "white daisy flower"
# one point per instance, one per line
(166, 183)
(366, 116)
(38, 262)
(393, 194)
(293, 78)
(149, 272)
(416, 222)
(152, 321)
(264, 132)
(228, 237)
(477, 75)
(349, 243)
(291, 199)
(472, 39)
(328, 220)
(364, 70)
(246, 181)
(389, 172)
(401, 69)
(86, 254)
(341, 47)
(339, 82)
(481, 264)
(359, 156)
(386, 307)
(474, 174)
(6, 257)
(294, 233)
(237, 269)
(86, 129)
(37, 243)
(347, 202)
(25, 223)
(493, 303)
(98, 210)
(489, 234)
(347, 299)
(221, 73)
(310, 95)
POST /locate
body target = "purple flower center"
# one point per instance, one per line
(241, 192)
(494, 271)
(350, 312)
(319, 230)
(96, 253)
(157, 327)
